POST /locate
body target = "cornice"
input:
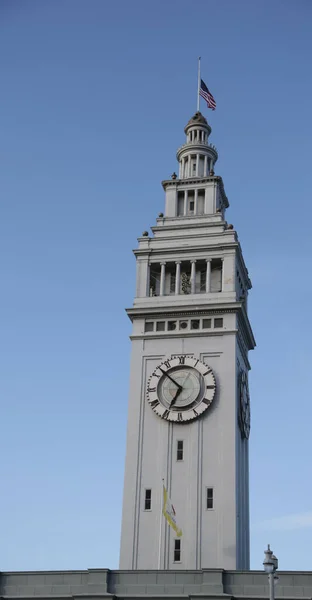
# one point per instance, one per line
(189, 222)
(192, 147)
(165, 251)
(189, 334)
(187, 311)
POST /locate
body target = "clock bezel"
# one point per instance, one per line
(171, 365)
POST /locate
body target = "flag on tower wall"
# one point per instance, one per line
(204, 92)
(170, 513)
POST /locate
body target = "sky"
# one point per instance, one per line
(94, 99)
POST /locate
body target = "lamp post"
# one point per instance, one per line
(270, 565)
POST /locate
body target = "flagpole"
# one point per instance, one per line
(198, 84)
(160, 524)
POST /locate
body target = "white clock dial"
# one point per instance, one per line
(181, 388)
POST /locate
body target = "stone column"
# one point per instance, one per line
(178, 277)
(197, 165)
(205, 166)
(162, 278)
(185, 202)
(193, 276)
(208, 275)
(222, 274)
(195, 201)
(182, 168)
(190, 166)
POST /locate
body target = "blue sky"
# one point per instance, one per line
(94, 99)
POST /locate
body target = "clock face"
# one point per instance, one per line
(181, 388)
(244, 405)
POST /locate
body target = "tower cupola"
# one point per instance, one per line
(197, 157)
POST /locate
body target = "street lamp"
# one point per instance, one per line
(270, 565)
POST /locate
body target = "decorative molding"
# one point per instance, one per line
(194, 333)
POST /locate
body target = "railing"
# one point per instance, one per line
(198, 143)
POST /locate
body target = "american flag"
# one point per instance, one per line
(204, 92)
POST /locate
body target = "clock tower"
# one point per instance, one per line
(189, 413)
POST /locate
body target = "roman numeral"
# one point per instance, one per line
(206, 401)
(154, 403)
(180, 418)
(165, 414)
(181, 360)
(167, 364)
(196, 363)
(195, 412)
(207, 372)
(210, 387)
(155, 375)
(151, 389)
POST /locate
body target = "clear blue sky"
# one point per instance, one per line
(94, 99)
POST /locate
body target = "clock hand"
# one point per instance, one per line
(179, 390)
(173, 381)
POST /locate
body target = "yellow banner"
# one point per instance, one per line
(170, 514)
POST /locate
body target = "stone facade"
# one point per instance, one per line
(96, 583)
(192, 289)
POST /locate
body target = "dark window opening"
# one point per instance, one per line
(172, 283)
(218, 323)
(180, 450)
(206, 323)
(180, 204)
(177, 551)
(148, 500)
(209, 498)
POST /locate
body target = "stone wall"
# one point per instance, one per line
(210, 583)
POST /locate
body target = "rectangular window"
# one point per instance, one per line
(209, 499)
(160, 325)
(148, 500)
(218, 323)
(177, 551)
(206, 323)
(149, 326)
(180, 450)
(192, 204)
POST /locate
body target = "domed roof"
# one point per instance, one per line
(197, 119)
